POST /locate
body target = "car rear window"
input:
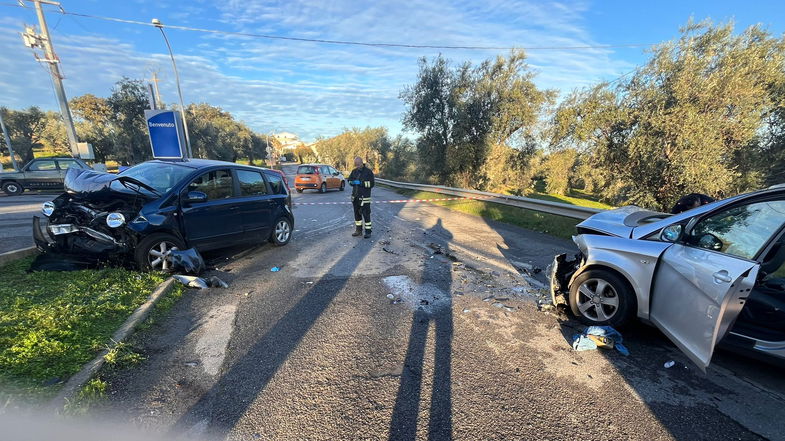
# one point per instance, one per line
(43, 165)
(251, 183)
(306, 170)
(276, 182)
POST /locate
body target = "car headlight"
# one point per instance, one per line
(48, 208)
(115, 220)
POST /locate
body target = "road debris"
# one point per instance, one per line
(669, 364)
(488, 299)
(191, 281)
(191, 363)
(390, 296)
(387, 250)
(215, 282)
(466, 310)
(595, 337)
(503, 306)
(186, 261)
(275, 269)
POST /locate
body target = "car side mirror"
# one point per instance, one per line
(710, 242)
(671, 233)
(195, 197)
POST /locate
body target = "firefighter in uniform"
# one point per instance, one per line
(361, 180)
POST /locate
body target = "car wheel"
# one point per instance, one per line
(152, 253)
(343, 185)
(299, 190)
(600, 297)
(323, 188)
(12, 188)
(282, 232)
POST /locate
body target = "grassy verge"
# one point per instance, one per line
(575, 197)
(554, 225)
(52, 323)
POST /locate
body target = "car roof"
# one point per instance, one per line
(315, 164)
(197, 164)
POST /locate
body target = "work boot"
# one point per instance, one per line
(357, 232)
(367, 234)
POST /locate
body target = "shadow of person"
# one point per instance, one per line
(436, 275)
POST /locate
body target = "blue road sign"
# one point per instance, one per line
(166, 133)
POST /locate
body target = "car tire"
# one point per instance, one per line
(602, 298)
(343, 185)
(282, 232)
(299, 190)
(145, 256)
(323, 188)
(12, 188)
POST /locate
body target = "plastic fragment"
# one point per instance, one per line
(191, 281)
(669, 364)
(275, 269)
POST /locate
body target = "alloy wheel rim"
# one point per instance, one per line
(158, 256)
(282, 231)
(12, 188)
(597, 300)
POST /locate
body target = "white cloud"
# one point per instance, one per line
(309, 88)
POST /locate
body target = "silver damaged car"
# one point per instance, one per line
(714, 273)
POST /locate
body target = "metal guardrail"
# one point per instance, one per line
(567, 210)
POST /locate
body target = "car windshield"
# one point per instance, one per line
(306, 170)
(160, 176)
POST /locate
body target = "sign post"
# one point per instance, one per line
(165, 128)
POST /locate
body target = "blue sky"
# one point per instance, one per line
(315, 89)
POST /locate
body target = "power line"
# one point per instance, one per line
(346, 42)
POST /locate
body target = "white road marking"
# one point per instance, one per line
(215, 334)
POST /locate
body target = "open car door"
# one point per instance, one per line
(703, 281)
(697, 295)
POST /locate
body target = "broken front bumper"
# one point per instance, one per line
(562, 271)
(84, 240)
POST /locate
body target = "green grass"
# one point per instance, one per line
(554, 225)
(51, 323)
(576, 197)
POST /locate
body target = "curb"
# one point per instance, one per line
(17, 254)
(92, 367)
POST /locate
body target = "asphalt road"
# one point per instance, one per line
(16, 213)
(318, 350)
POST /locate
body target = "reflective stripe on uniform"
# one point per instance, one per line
(358, 223)
(367, 184)
(367, 225)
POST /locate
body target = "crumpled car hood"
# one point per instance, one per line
(93, 185)
(621, 221)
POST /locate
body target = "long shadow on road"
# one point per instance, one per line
(231, 396)
(403, 425)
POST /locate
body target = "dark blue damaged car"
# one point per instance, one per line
(142, 214)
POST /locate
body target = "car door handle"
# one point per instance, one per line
(722, 277)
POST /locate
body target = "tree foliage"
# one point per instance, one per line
(462, 113)
(689, 120)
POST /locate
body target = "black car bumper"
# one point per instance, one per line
(71, 238)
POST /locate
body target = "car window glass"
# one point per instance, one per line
(43, 166)
(251, 183)
(742, 231)
(325, 170)
(276, 182)
(306, 170)
(68, 163)
(333, 171)
(215, 184)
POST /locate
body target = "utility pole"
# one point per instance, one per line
(44, 41)
(155, 81)
(8, 142)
